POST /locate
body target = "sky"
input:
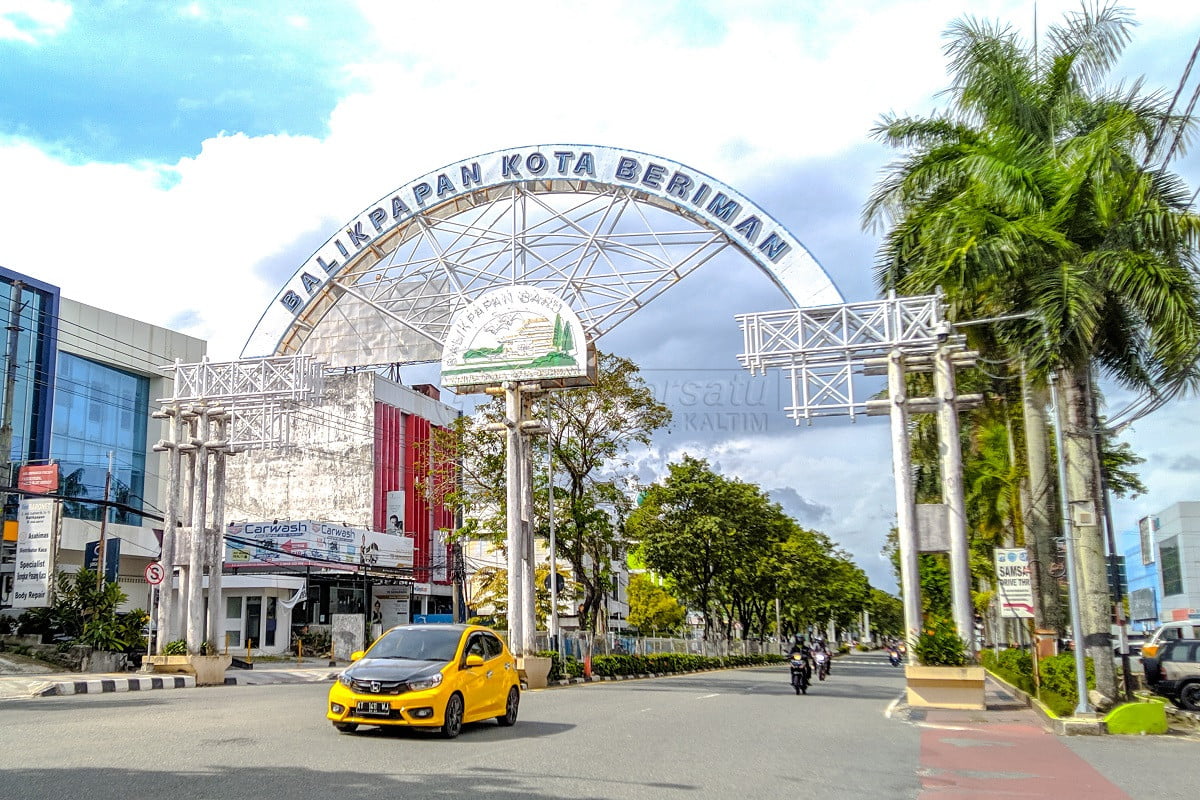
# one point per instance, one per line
(176, 162)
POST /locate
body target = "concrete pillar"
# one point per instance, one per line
(906, 510)
(950, 447)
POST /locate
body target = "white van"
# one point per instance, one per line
(1181, 629)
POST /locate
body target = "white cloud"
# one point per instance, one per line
(771, 93)
(32, 21)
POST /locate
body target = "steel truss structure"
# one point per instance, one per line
(260, 394)
(606, 250)
(822, 349)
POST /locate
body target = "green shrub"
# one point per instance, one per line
(1058, 676)
(1060, 705)
(863, 647)
(939, 645)
(175, 648)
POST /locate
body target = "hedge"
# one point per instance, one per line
(1057, 675)
(614, 665)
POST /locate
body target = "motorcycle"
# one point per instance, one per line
(801, 672)
(822, 660)
(894, 657)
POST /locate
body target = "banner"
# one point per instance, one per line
(112, 557)
(395, 512)
(1016, 590)
(37, 527)
(300, 543)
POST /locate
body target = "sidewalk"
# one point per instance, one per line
(32, 683)
(968, 754)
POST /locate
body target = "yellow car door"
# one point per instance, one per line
(473, 681)
(499, 673)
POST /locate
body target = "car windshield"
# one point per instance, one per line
(428, 644)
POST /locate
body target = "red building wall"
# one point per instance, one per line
(401, 442)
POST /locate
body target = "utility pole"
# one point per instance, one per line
(103, 525)
(552, 623)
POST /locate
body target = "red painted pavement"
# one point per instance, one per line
(1003, 755)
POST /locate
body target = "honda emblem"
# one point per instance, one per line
(375, 687)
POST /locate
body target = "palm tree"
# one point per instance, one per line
(1036, 192)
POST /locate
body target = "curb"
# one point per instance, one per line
(1055, 724)
(130, 684)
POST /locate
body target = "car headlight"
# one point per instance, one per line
(425, 683)
(345, 679)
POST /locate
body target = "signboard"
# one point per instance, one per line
(154, 573)
(40, 478)
(395, 512)
(37, 526)
(933, 528)
(390, 607)
(674, 185)
(300, 543)
(1016, 591)
(112, 557)
(439, 556)
(1142, 606)
(517, 333)
(1146, 528)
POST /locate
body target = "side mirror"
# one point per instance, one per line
(356, 655)
(474, 661)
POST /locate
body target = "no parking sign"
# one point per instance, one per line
(154, 573)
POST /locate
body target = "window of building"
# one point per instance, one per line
(99, 409)
(1172, 574)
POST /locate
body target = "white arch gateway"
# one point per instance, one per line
(604, 229)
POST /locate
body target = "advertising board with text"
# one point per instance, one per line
(37, 527)
(1015, 587)
(311, 543)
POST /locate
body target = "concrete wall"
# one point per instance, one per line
(1180, 522)
(328, 473)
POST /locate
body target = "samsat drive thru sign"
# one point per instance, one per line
(1016, 590)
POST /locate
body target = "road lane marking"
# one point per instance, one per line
(706, 696)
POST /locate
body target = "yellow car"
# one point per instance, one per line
(428, 676)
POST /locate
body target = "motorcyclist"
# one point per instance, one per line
(799, 647)
(820, 647)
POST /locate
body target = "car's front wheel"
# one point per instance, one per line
(1189, 696)
(452, 722)
(346, 727)
(509, 717)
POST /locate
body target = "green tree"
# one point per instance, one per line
(1037, 193)
(887, 613)
(652, 609)
(593, 430)
(730, 552)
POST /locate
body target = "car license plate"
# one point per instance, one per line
(373, 709)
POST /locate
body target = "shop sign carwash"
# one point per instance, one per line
(312, 543)
(1016, 590)
(36, 526)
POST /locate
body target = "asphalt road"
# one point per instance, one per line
(732, 734)
(708, 735)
